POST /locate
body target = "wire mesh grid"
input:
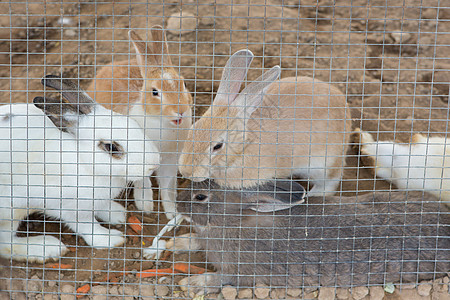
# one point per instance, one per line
(361, 112)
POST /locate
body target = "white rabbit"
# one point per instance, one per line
(422, 165)
(151, 91)
(272, 129)
(67, 160)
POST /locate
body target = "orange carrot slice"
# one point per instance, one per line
(135, 224)
(188, 268)
(155, 272)
(58, 266)
(83, 290)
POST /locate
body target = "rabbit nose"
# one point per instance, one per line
(177, 121)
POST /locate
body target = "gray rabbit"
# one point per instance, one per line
(267, 235)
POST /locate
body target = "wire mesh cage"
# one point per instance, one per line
(224, 150)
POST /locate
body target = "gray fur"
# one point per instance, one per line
(324, 242)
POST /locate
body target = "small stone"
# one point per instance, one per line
(400, 37)
(99, 290)
(343, 293)
(137, 254)
(34, 284)
(229, 293)
(376, 293)
(439, 286)
(294, 292)
(147, 290)
(70, 32)
(99, 297)
(131, 290)
(245, 294)
(49, 297)
(359, 292)
(424, 289)
(262, 291)
(311, 295)
(409, 286)
(327, 293)
(113, 290)
(51, 283)
(161, 290)
(67, 292)
(278, 293)
(439, 296)
(181, 23)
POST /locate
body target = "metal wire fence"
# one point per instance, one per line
(150, 151)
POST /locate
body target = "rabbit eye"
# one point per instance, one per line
(113, 148)
(155, 92)
(217, 146)
(200, 197)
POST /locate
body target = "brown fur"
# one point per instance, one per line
(291, 128)
(121, 84)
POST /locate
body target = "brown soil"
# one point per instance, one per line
(396, 84)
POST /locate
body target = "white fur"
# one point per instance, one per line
(422, 165)
(169, 140)
(65, 177)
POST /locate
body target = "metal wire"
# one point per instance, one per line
(65, 156)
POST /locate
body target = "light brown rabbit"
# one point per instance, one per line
(151, 91)
(272, 129)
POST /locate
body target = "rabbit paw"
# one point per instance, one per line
(201, 284)
(143, 195)
(106, 239)
(116, 214)
(38, 248)
(184, 242)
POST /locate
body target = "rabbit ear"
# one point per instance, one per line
(252, 96)
(276, 195)
(232, 77)
(56, 112)
(71, 92)
(160, 47)
(144, 53)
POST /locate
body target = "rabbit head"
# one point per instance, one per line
(206, 203)
(108, 143)
(217, 140)
(163, 92)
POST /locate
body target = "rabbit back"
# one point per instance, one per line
(377, 238)
(424, 164)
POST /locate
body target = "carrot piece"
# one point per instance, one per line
(155, 272)
(188, 268)
(58, 266)
(83, 290)
(135, 224)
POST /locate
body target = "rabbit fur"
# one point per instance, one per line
(150, 90)
(272, 129)
(67, 160)
(326, 241)
(422, 165)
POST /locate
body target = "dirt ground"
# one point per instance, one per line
(392, 62)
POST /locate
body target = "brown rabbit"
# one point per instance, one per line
(272, 129)
(265, 236)
(151, 91)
